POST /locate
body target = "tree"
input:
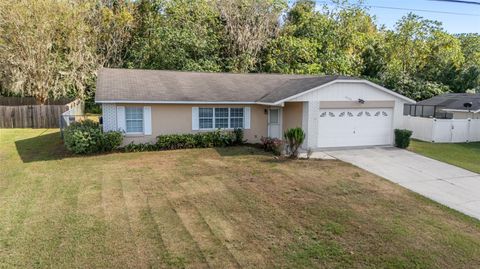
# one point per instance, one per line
(61, 46)
(176, 35)
(470, 48)
(408, 46)
(320, 41)
(46, 48)
(248, 26)
(113, 25)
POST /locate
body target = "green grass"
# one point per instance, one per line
(213, 208)
(465, 155)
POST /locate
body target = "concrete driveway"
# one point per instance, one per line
(452, 186)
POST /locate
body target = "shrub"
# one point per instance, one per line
(402, 138)
(110, 141)
(294, 138)
(176, 141)
(140, 147)
(238, 136)
(271, 144)
(199, 140)
(87, 137)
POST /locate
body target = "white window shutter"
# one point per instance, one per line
(147, 120)
(121, 123)
(195, 120)
(246, 115)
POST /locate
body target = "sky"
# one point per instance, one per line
(452, 23)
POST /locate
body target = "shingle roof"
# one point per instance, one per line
(454, 101)
(178, 86)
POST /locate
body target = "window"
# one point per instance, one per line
(134, 119)
(220, 117)
(274, 116)
(205, 116)
(236, 117)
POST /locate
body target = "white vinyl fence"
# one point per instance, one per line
(443, 130)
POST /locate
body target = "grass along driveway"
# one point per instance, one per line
(213, 208)
(464, 155)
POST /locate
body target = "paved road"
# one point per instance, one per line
(452, 186)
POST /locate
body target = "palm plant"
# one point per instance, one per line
(294, 138)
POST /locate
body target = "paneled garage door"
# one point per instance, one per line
(355, 127)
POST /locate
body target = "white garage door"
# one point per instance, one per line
(355, 127)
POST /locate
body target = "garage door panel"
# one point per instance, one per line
(354, 127)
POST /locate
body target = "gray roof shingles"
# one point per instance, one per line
(454, 101)
(177, 86)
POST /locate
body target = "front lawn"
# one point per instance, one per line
(465, 155)
(213, 208)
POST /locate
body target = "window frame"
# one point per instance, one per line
(200, 118)
(142, 120)
(230, 117)
(214, 118)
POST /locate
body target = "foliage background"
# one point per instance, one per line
(63, 43)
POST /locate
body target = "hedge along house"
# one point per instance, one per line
(334, 111)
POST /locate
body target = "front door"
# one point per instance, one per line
(274, 123)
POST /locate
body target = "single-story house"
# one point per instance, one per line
(448, 105)
(334, 111)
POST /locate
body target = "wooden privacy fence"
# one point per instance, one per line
(27, 113)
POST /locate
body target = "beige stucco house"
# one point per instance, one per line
(334, 111)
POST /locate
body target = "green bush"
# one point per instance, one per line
(238, 136)
(87, 137)
(110, 141)
(402, 138)
(140, 147)
(199, 140)
(294, 138)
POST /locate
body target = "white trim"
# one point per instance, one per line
(270, 104)
(461, 110)
(195, 120)
(348, 81)
(247, 118)
(121, 119)
(176, 102)
(147, 120)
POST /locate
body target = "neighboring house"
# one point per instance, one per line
(334, 111)
(449, 106)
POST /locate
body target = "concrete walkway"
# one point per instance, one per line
(452, 186)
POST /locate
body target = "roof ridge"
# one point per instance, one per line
(294, 76)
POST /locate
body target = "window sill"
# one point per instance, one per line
(134, 134)
(214, 129)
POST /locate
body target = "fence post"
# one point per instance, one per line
(468, 129)
(433, 129)
(60, 123)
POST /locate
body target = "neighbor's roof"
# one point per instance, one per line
(454, 101)
(143, 86)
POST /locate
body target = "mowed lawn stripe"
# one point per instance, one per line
(216, 186)
(120, 241)
(94, 228)
(213, 249)
(181, 250)
(149, 242)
